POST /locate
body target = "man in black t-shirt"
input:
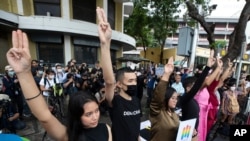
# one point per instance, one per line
(124, 107)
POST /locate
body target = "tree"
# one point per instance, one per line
(137, 26)
(237, 37)
(163, 20)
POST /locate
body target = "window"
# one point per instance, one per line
(111, 13)
(51, 53)
(86, 54)
(84, 10)
(45, 7)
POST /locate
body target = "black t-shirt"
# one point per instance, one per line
(99, 133)
(9, 110)
(125, 117)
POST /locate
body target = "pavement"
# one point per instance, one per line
(34, 131)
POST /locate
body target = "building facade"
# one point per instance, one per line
(224, 27)
(63, 29)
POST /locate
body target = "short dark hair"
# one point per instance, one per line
(49, 71)
(119, 75)
(189, 81)
(230, 81)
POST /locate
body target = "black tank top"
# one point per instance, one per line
(99, 133)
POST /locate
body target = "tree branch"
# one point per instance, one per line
(238, 35)
(193, 12)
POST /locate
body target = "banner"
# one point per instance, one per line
(185, 130)
(159, 71)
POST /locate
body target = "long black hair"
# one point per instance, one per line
(168, 94)
(75, 111)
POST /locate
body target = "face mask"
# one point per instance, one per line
(11, 73)
(51, 76)
(40, 72)
(59, 70)
(132, 90)
(232, 88)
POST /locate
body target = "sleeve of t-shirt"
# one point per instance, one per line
(197, 85)
(158, 98)
(41, 82)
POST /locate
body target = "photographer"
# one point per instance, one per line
(100, 96)
(13, 89)
(70, 85)
(9, 116)
(84, 68)
(85, 83)
(47, 83)
(71, 66)
(96, 84)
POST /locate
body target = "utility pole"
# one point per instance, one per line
(240, 63)
(195, 40)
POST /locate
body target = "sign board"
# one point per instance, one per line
(159, 71)
(185, 130)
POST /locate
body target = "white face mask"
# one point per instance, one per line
(40, 72)
(59, 70)
(51, 76)
(232, 88)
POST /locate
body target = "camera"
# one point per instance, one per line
(4, 100)
(4, 103)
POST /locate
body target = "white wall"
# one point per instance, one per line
(248, 32)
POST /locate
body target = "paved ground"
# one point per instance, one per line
(35, 132)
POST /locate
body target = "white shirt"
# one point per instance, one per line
(48, 83)
(179, 88)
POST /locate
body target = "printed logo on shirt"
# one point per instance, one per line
(131, 113)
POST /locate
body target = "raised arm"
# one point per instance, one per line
(227, 72)
(19, 58)
(213, 75)
(105, 33)
(198, 83)
(160, 90)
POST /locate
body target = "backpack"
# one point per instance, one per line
(233, 106)
(57, 88)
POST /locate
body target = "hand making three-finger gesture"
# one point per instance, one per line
(104, 30)
(168, 69)
(19, 55)
(219, 63)
(211, 60)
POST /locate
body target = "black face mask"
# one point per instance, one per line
(132, 90)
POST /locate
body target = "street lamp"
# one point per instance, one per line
(196, 33)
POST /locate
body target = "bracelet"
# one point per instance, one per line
(33, 97)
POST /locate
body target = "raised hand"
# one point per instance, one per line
(230, 64)
(19, 55)
(169, 67)
(219, 62)
(104, 30)
(211, 59)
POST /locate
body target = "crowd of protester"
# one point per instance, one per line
(209, 94)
